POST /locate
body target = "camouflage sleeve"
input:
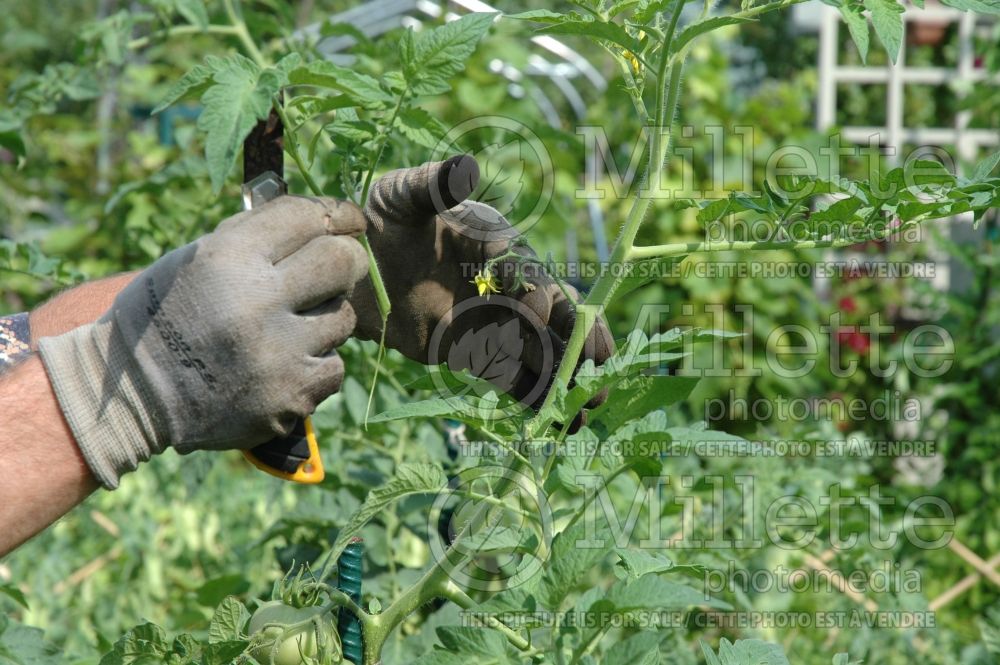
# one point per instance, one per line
(15, 340)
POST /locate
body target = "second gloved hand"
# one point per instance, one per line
(224, 343)
(430, 243)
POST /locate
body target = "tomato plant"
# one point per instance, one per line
(288, 635)
(528, 589)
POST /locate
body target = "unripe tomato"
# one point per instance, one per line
(297, 648)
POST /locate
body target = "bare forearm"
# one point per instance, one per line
(42, 473)
(76, 307)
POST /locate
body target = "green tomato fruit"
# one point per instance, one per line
(296, 648)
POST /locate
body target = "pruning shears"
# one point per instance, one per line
(294, 457)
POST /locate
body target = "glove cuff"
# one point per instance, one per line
(97, 383)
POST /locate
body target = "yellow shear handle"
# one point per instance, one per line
(294, 457)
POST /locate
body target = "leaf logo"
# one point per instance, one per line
(484, 350)
(492, 353)
(499, 548)
(517, 174)
(502, 169)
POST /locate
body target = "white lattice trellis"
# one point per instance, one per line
(894, 135)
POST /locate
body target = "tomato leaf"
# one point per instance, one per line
(641, 273)
(228, 621)
(432, 57)
(138, 645)
(651, 592)
(541, 16)
(15, 594)
(857, 24)
(195, 82)
(702, 27)
(636, 563)
(193, 11)
(641, 395)
(21, 644)
(409, 479)
(887, 17)
(223, 653)
(472, 640)
(241, 95)
(590, 27)
(643, 648)
(574, 552)
(979, 6)
(650, 8)
(428, 408)
(363, 89)
(986, 167)
(439, 657)
(421, 127)
(743, 652)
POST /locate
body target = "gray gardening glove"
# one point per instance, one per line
(224, 343)
(430, 243)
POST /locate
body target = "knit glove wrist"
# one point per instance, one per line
(224, 343)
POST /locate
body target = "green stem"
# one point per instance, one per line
(379, 627)
(600, 295)
(586, 647)
(551, 461)
(682, 248)
(340, 599)
(142, 42)
(382, 140)
(393, 381)
(500, 503)
(586, 504)
(763, 9)
(383, 307)
(666, 108)
(435, 583)
(26, 273)
(665, 57)
(381, 295)
(243, 34)
(455, 594)
(512, 451)
(292, 148)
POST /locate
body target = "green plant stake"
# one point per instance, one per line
(349, 581)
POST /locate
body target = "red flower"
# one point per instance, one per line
(848, 305)
(856, 340)
(860, 342)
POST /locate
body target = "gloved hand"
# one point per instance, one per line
(223, 343)
(430, 245)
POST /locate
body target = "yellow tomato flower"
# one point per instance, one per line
(486, 283)
(636, 65)
(633, 58)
